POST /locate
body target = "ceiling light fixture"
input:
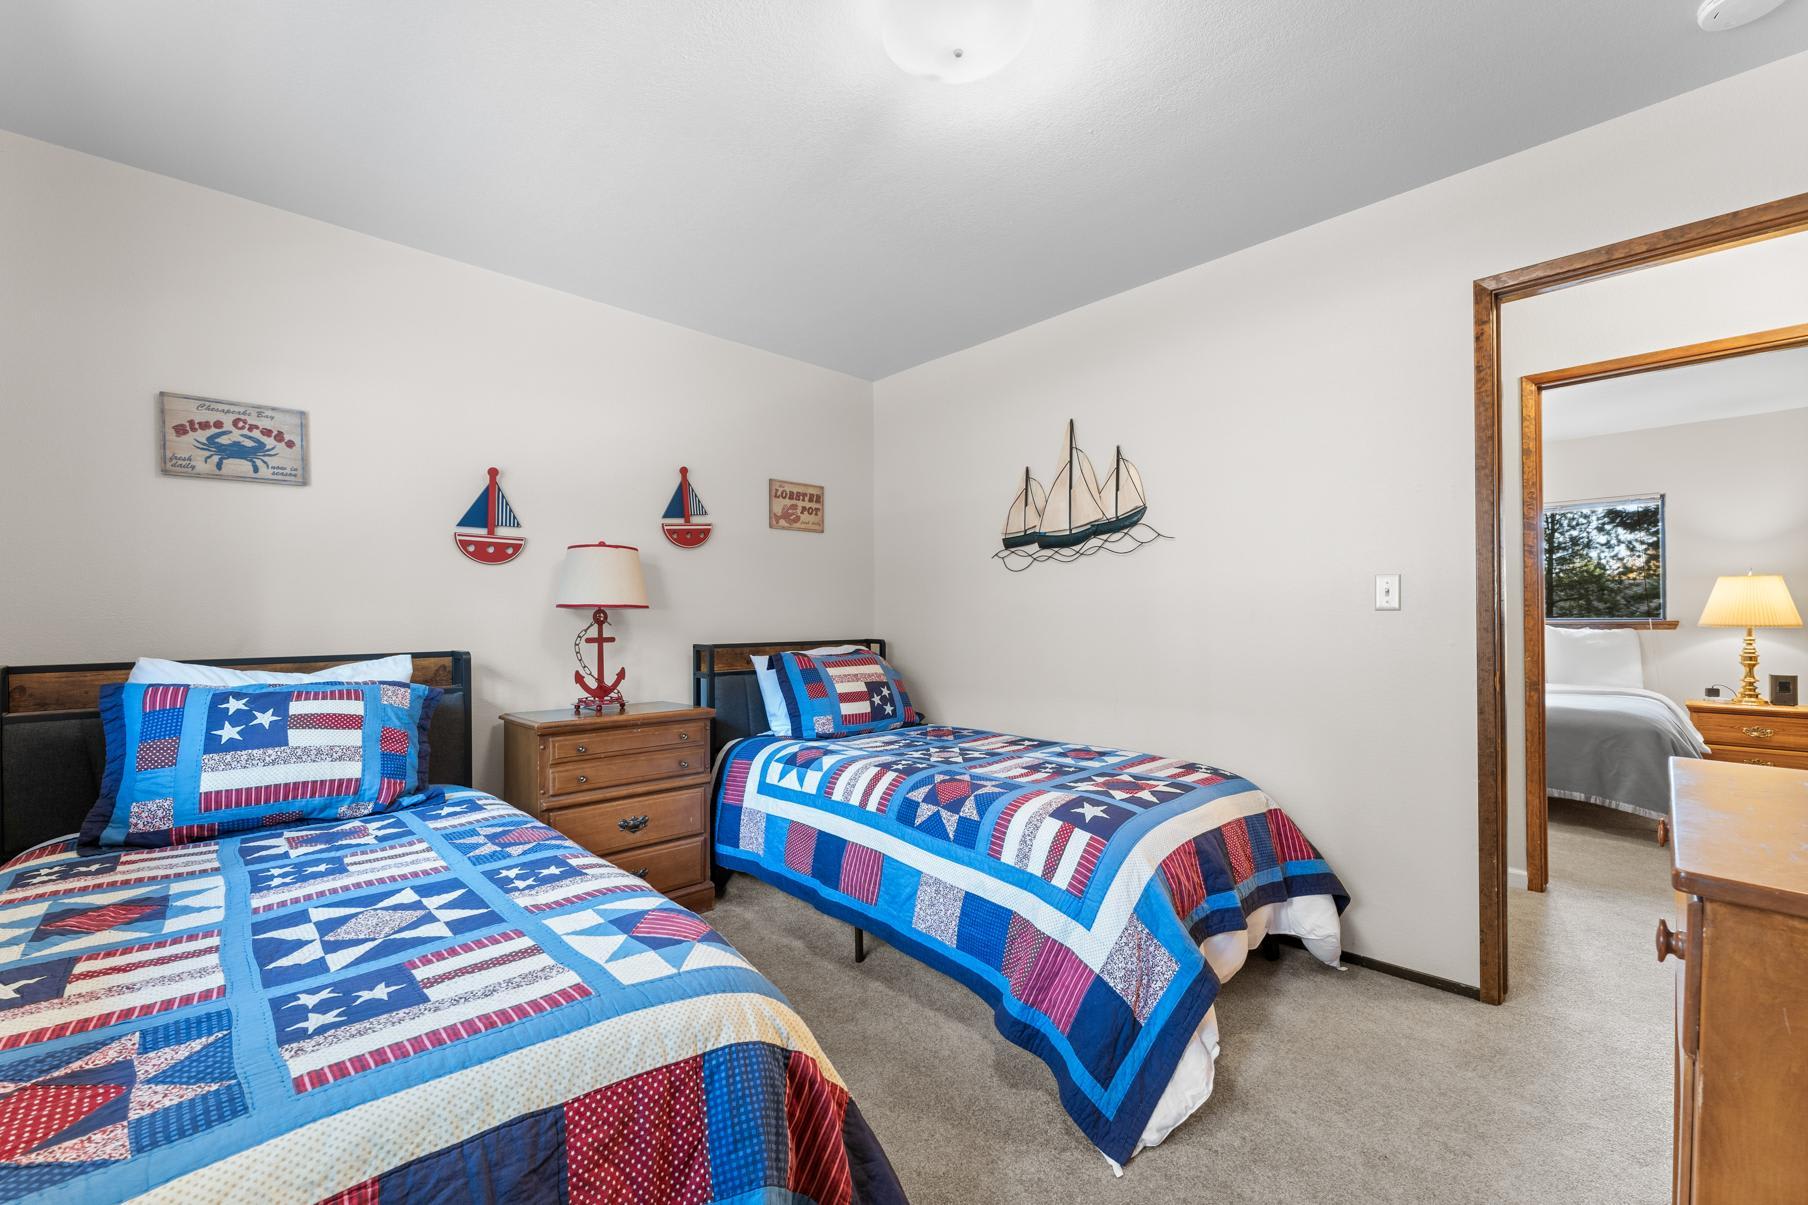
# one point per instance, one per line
(955, 41)
(1717, 15)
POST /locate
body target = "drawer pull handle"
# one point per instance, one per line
(684, 765)
(583, 778)
(642, 872)
(583, 748)
(1670, 941)
(631, 824)
(684, 736)
(1758, 761)
(1757, 732)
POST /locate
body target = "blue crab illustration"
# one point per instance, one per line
(222, 446)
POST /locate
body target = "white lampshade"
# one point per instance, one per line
(601, 575)
(1756, 600)
(955, 41)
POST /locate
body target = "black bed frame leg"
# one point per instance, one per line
(1271, 948)
(859, 945)
(720, 876)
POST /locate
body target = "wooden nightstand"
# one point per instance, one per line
(1758, 736)
(632, 787)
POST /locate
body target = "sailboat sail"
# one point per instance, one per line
(1023, 522)
(1123, 495)
(676, 509)
(1074, 507)
(479, 514)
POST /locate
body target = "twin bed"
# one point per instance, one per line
(428, 995)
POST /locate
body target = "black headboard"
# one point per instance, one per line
(53, 754)
(722, 677)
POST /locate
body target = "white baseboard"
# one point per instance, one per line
(1517, 878)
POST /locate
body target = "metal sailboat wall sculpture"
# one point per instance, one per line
(1076, 516)
(683, 521)
(478, 532)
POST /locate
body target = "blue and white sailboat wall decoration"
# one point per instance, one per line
(1076, 516)
(684, 523)
(478, 533)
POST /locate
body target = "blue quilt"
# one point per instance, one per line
(1069, 885)
(381, 1008)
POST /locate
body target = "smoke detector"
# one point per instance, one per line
(1717, 15)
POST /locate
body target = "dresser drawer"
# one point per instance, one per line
(1761, 728)
(577, 778)
(1789, 759)
(636, 820)
(668, 867)
(623, 739)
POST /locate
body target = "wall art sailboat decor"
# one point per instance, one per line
(683, 522)
(477, 535)
(1076, 516)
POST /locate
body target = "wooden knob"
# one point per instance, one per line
(1670, 941)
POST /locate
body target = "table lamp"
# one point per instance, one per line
(1757, 600)
(597, 578)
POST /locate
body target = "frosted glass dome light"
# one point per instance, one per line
(955, 41)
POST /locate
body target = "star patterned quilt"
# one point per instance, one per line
(446, 1002)
(1071, 886)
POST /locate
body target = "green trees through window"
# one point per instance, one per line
(1604, 560)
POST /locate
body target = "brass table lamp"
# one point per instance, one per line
(1757, 600)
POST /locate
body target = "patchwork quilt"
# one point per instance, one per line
(438, 1003)
(1069, 885)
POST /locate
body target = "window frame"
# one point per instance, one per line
(1662, 620)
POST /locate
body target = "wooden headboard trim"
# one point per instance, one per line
(26, 689)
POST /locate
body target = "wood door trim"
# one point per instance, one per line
(1531, 486)
(1727, 230)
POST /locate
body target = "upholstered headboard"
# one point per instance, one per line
(53, 754)
(722, 678)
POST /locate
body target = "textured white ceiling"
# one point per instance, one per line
(1699, 393)
(758, 169)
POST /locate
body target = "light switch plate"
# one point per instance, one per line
(1387, 592)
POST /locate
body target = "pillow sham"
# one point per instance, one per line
(838, 694)
(399, 668)
(1593, 657)
(191, 763)
(778, 720)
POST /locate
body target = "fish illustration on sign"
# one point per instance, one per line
(683, 521)
(1076, 516)
(477, 534)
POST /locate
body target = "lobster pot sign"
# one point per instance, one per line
(230, 441)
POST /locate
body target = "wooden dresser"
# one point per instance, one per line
(1740, 856)
(1757, 736)
(632, 787)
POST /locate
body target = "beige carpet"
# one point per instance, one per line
(1332, 1086)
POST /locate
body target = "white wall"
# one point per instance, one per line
(1735, 498)
(417, 373)
(1302, 413)
(1752, 288)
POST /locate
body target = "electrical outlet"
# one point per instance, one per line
(1387, 592)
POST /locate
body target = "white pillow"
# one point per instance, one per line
(778, 720)
(399, 668)
(1593, 657)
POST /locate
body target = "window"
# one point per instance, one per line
(1604, 559)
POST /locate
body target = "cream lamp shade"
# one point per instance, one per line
(601, 576)
(1756, 600)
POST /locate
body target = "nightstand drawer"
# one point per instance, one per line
(574, 778)
(1760, 728)
(637, 820)
(622, 739)
(1790, 759)
(668, 867)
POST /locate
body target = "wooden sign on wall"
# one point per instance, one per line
(795, 506)
(228, 441)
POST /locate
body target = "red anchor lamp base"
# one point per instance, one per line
(597, 696)
(598, 578)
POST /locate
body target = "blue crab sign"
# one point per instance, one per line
(230, 441)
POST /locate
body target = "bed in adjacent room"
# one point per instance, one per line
(1096, 897)
(279, 964)
(1608, 740)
